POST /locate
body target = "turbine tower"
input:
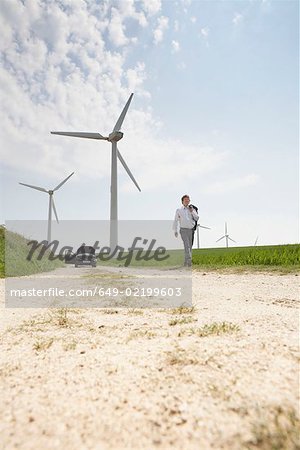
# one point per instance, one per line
(51, 202)
(113, 137)
(226, 236)
(198, 233)
(255, 241)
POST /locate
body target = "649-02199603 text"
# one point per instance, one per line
(99, 292)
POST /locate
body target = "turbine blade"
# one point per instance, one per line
(34, 187)
(231, 239)
(220, 238)
(54, 210)
(123, 114)
(80, 135)
(127, 169)
(225, 227)
(63, 182)
(202, 226)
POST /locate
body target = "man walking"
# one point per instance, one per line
(186, 216)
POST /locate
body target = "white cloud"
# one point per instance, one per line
(116, 29)
(57, 74)
(151, 7)
(238, 18)
(193, 19)
(135, 79)
(175, 46)
(56, 71)
(127, 9)
(162, 162)
(205, 32)
(162, 26)
(186, 4)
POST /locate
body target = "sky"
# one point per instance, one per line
(214, 114)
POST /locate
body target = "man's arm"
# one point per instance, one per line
(175, 223)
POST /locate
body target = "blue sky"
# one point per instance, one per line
(215, 110)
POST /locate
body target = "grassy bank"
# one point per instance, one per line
(15, 263)
(273, 257)
(284, 258)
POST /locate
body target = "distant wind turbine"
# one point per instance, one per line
(51, 202)
(113, 137)
(198, 233)
(226, 236)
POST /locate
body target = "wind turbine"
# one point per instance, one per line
(198, 233)
(51, 202)
(113, 137)
(255, 241)
(226, 235)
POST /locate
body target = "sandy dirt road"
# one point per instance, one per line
(220, 375)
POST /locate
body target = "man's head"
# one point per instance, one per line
(185, 200)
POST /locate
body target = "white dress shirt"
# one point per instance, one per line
(185, 218)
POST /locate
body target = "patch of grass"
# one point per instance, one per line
(42, 344)
(137, 334)
(215, 328)
(284, 257)
(61, 318)
(36, 323)
(110, 311)
(69, 345)
(182, 357)
(182, 320)
(135, 312)
(278, 432)
(183, 310)
(64, 318)
(57, 317)
(14, 250)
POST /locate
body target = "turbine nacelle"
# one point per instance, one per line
(226, 236)
(115, 136)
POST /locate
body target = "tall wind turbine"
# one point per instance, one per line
(51, 202)
(113, 137)
(198, 233)
(226, 236)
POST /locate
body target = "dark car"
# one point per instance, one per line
(85, 256)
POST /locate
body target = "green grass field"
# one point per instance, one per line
(282, 257)
(15, 263)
